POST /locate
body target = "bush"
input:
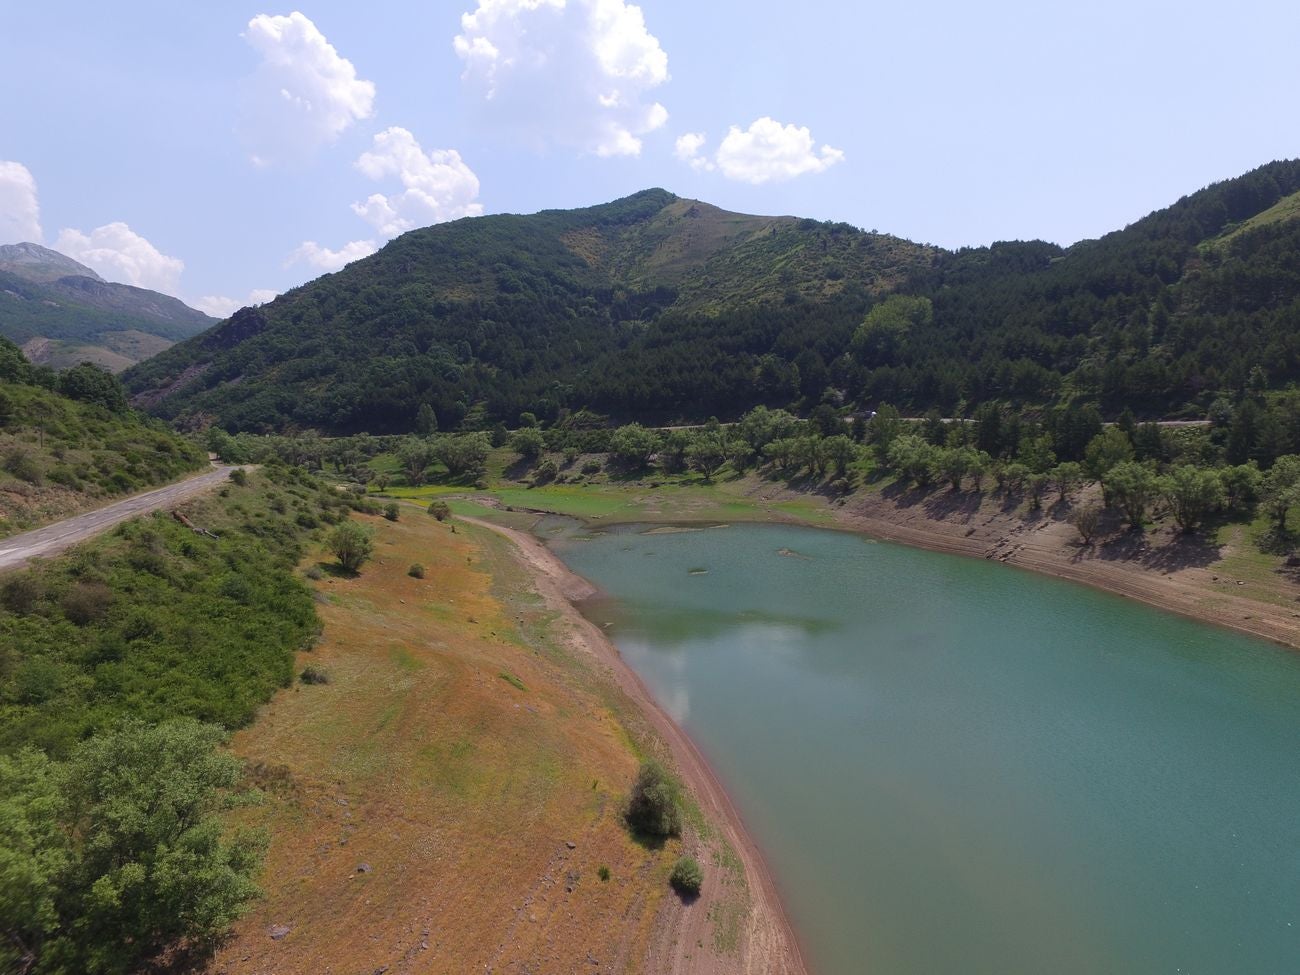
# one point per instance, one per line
(391, 511)
(603, 873)
(314, 573)
(440, 510)
(352, 544)
(686, 877)
(239, 476)
(312, 674)
(546, 471)
(654, 806)
(87, 602)
(591, 467)
(416, 571)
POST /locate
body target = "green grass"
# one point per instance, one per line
(1287, 208)
(513, 681)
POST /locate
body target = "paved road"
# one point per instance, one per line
(18, 549)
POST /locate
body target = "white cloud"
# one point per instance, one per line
(219, 306)
(437, 186)
(574, 73)
(688, 148)
(20, 213)
(769, 152)
(324, 259)
(118, 253)
(303, 95)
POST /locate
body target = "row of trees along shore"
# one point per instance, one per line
(1243, 458)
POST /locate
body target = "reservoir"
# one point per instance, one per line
(956, 767)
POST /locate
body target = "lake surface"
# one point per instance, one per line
(955, 767)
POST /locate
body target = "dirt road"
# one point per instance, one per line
(17, 550)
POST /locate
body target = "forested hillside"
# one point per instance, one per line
(663, 309)
(69, 442)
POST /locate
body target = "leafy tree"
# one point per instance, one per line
(391, 511)
(89, 383)
(415, 456)
(1241, 483)
(654, 807)
(839, 452)
(634, 444)
(952, 464)
(914, 458)
(881, 336)
(883, 428)
(686, 876)
(440, 510)
(1068, 476)
(760, 426)
(1281, 488)
(464, 455)
(1110, 447)
(1192, 493)
(426, 421)
(352, 544)
(1132, 487)
(1087, 519)
(119, 854)
(528, 442)
(707, 452)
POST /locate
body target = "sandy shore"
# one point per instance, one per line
(766, 944)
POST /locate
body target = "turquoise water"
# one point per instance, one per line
(954, 767)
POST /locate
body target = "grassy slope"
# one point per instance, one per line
(425, 760)
(58, 457)
(1287, 208)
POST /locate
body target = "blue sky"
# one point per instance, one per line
(223, 152)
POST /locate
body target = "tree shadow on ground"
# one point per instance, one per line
(955, 505)
(1182, 551)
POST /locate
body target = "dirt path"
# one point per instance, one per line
(17, 550)
(766, 942)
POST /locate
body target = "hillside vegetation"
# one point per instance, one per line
(69, 442)
(62, 313)
(658, 308)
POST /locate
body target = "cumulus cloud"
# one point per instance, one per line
(688, 148)
(575, 73)
(20, 213)
(118, 253)
(219, 306)
(769, 152)
(324, 259)
(436, 185)
(303, 95)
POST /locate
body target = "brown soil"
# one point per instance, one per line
(764, 939)
(445, 802)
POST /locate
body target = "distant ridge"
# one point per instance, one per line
(659, 308)
(61, 312)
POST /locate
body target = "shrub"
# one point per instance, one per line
(686, 877)
(654, 806)
(591, 467)
(603, 873)
(21, 594)
(352, 544)
(311, 674)
(22, 464)
(546, 471)
(440, 510)
(314, 573)
(391, 511)
(239, 476)
(416, 571)
(87, 602)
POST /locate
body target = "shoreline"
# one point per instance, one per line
(768, 942)
(1176, 574)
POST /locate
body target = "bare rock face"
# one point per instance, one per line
(37, 263)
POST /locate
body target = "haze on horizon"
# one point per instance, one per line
(224, 155)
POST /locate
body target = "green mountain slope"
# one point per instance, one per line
(62, 312)
(524, 313)
(658, 308)
(69, 442)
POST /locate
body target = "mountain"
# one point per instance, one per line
(40, 264)
(61, 312)
(659, 308)
(535, 313)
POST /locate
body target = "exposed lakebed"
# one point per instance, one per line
(956, 767)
